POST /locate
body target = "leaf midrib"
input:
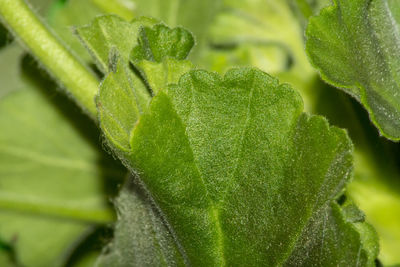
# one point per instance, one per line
(214, 208)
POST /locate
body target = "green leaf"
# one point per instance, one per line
(119, 105)
(160, 55)
(195, 15)
(123, 95)
(376, 184)
(110, 40)
(243, 177)
(54, 180)
(354, 45)
(110, 31)
(159, 75)
(159, 42)
(141, 237)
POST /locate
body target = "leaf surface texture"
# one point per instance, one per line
(354, 45)
(243, 177)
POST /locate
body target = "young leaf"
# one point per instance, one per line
(159, 42)
(160, 55)
(195, 15)
(108, 31)
(244, 178)
(140, 236)
(119, 105)
(123, 95)
(354, 45)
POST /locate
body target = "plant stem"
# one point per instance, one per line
(77, 79)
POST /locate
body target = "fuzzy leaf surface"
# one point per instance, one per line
(140, 237)
(197, 16)
(158, 55)
(243, 177)
(119, 106)
(161, 55)
(110, 31)
(160, 41)
(123, 95)
(354, 45)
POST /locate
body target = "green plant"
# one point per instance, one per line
(220, 163)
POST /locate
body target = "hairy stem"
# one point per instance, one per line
(77, 79)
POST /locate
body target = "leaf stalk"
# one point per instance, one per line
(79, 81)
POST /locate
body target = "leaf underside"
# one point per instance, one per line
(354, 45)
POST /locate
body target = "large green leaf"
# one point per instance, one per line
(354, 45)
(243, 177)
(54, 180)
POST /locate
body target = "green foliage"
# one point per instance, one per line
(227, 170)
(160, 42)
(157, 52)
(196, 16)
(233, 165)
(106, 32)
(118, 106)
(160, 55)
(55, 181)
(354, 46)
